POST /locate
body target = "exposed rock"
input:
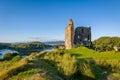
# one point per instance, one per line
(116, 48)
(43, 73)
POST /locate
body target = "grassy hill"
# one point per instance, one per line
(85, 53)
(99, 62)
(25, 48)
(75, 64)
(29, 68)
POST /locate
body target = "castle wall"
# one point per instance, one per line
(81, 35)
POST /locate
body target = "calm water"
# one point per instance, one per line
(49, 49)
(3, 51)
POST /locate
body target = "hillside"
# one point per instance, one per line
(29, 68)
(85, 53)
(26, 47)
(75, 64)
(108, 61)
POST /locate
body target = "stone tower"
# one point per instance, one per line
(69, 35)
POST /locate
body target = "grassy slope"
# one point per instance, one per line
(30, 68)
(102, 61)
(33, 67)
(85, 53)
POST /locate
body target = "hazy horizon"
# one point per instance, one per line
(45, 20)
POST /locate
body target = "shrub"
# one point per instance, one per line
(8, 56)
(110, 65)
(107, 43)
(85, 69)
(16, 58)
(65, 63)
(68, 65)
(15, 69)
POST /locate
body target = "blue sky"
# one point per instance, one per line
(45, 20)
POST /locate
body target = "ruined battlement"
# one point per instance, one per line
(80, 36)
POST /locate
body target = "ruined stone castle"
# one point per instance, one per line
(80, 36)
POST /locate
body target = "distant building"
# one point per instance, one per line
(81, 35)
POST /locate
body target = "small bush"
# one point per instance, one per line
(65, 63)
(110, 65)
(16, 58)
(8, 56)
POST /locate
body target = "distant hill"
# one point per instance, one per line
(26, 47)
(4, 45)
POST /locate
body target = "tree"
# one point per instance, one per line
(107, 43)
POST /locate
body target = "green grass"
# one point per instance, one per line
(115, 76)
(97, 62)
(29, 68)
(4, 65)
(24, 75)
(91, 65)
(85, 53)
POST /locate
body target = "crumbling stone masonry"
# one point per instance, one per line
(81, 35)
(69, 35)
